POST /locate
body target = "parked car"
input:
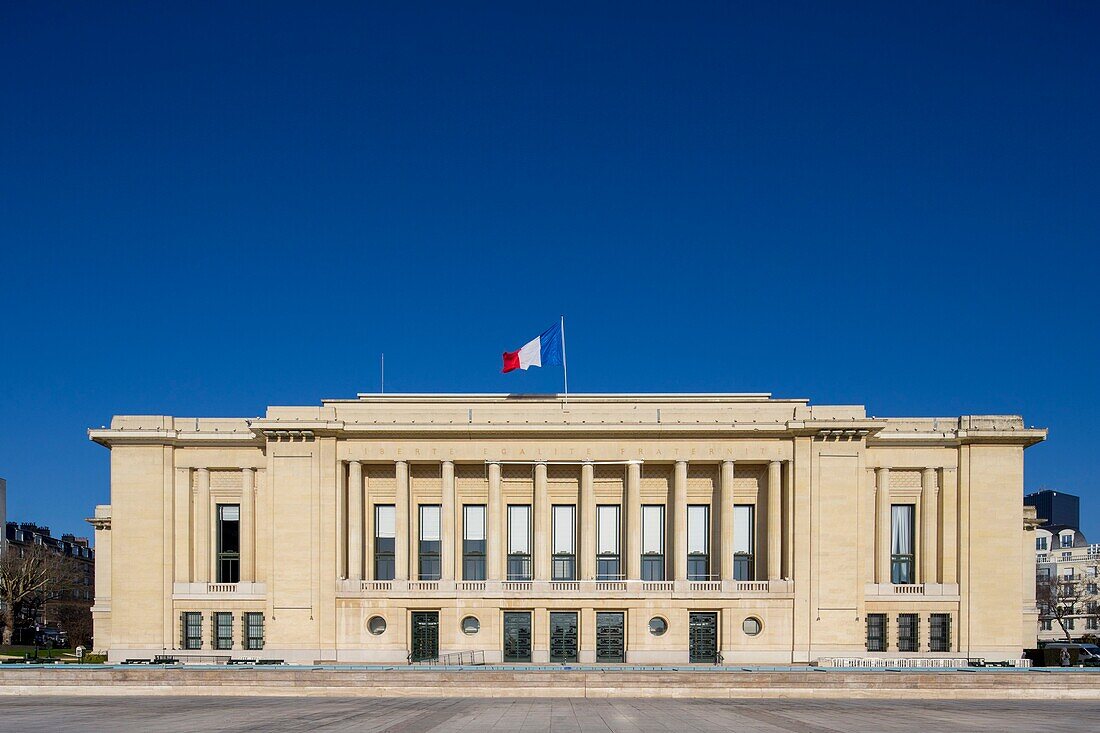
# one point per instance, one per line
(51, 638)
(1083, 654)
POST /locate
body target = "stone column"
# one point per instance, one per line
(725, 507)
(929, 546)
(542, 524)
(775, 519)
(587, 547)
(355, 520)
(679, 546)
(633, 513)
(202, 526)
(401, 509)
(341, 520)
(882, 525)
(248, 525)
(447, 518)
(494, 538)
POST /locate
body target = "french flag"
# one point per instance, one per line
(546, 349)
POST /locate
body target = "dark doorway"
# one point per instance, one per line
(563, 637)
(517, 636)
(610, 637)
(425, 636)
(703, 638)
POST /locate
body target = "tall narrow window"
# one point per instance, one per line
(876, 632)
(698, 544)
(223, 630)
(519, 542)
(939, 639)
(385, 542)
(229, 543)
(191, 630)
(430, 545)
(653, 542)
(744, 542)
(564, 566)
(908, 632)
(901, 543)
(253, 630)
(473, 542)
(607, 542)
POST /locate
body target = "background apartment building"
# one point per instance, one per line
(1062, 552)
(613, 528)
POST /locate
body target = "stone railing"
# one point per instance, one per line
(563, 588)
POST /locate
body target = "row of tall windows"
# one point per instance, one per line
(563, 532)
(221, 630)
(908, 632)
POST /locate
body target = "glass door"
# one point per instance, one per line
(563, 637)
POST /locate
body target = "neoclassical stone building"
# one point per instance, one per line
(649, 529)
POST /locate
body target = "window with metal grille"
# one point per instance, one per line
(908, 632)
(385, 542)
(744, 542)
(876, 632)
(229, 543)
(698, 542)
(519, 542)
(253, 630)
(191, 630)
(607, 542)
(901, 544)
(473, 542)
(428, 555)
(223, 630)
(564, 547)
(939, 626)
(653, 542)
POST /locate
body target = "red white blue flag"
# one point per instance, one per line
(546, 349)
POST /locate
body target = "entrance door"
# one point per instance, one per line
(610, 637)
(563, 637)
(425, 636)
(517, 636)
(703, 638)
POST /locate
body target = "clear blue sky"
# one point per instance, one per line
(207, 208)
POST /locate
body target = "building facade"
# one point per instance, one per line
(1064, 554)
(647, 529)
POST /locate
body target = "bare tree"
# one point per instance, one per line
(29, 576)
(1060, 599)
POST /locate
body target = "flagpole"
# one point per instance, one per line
(564, 363)
(383, 372)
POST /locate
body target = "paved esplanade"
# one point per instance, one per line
(410, 715)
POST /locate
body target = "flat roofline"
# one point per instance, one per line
(573, 397)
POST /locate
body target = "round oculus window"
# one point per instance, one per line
(751, 626)
(377, 625)
(658, 626)
(470, 625)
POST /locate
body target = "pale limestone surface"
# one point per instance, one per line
(822, 479)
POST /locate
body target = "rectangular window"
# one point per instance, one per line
(908, 632)
(430, 544)
(385, 541)
(191, 630)
(1092, 624)
(653, 542)
(901, 544)
(1070, 624)
(607, 542)
(473, 542)
(1067, 540)
(744, 542)
(1041, 544)
(564, 566)
(229, 543)
(223, 630)
(1045, 624)
(939, 639)
(253, 630)
(876, 632)
(519, 542)
(698, 542)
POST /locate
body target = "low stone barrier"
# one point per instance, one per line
(488, 682)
